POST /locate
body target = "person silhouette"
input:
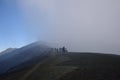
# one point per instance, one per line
(64, 50)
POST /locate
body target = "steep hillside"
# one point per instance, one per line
(9, 61)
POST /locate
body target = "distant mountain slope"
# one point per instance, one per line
(22, 55)
(7, 51)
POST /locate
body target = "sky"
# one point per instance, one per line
(12, 26)
(80, 25)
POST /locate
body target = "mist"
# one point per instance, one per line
(80, 25)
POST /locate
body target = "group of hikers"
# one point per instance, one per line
(60, 50)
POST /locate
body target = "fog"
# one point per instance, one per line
(80, 25)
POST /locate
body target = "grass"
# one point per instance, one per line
(73, 66)
(93, 67)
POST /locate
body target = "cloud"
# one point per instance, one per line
(81, 25)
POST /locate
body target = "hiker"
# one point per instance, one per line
(64, 50)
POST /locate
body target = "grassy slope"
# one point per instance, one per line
(49, 69)
(73, 66)
(93, 67)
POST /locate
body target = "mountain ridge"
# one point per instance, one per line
(21, 55)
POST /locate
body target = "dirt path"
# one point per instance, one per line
(33, 69)
(49, 65)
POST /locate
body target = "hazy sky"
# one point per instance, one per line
(13, 30)
(10, 25)
(80, 25)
